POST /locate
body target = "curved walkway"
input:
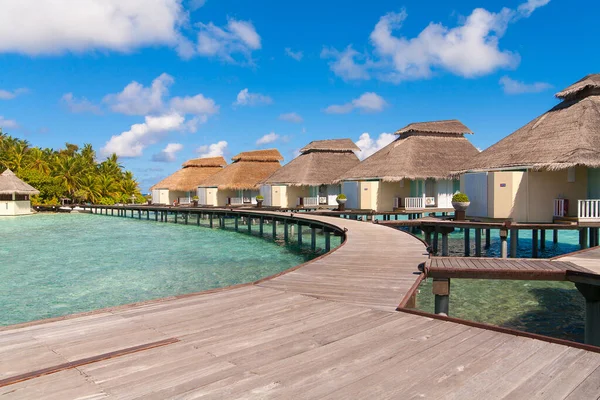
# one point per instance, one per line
(326, 330)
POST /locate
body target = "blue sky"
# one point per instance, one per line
(162, 81)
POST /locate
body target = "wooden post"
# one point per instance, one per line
(445, 251)
(313, 238)
(260, 229)
(503, 244)
(441, 290)
(542, 239)
(249, 225)
(427, 232)
(435, 240)
(534, 243)
(147, 215)
(112, 212)
(236, 222)
(583, 238)
(176, 216)
(467, 242)
(286, 234)
(555, 236)
(186, 216)
(274, 222)
(514, 242)
(299, 234)
(591, 293)
(477, 242)
(211, 222)
(327, 239)
(198, 219)
(139, 214)
(487, 238)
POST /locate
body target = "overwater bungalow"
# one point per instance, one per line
(309, 180)
(547, 170)
(239, 182)
(15, 195)
(181, 186)
(414, 172)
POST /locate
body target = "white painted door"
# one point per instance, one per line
(266, 192)
(350, 189)
(444, 193)
(476, 189)
(202, 196)
(156, 196)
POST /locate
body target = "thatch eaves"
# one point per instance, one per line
(314, 168)
(10, 183)
(450, 126)
(192, 174)
(332, 145)
(566, 136)
(247, 171)
(588, 85)
(415, 157)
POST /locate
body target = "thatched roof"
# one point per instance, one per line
(416, 155)
(450, 126)
(587, 85)
(247, 171)
(269, 155)
(566, 136)
(337, 145)
(192, 174)
(321, 163)
(9, 184)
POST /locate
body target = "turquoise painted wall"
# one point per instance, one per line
(593, 183)
(455, 186)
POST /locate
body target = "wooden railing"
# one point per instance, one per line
(588, 210)
(559, 207)
(237, 200)
(310, 201)
(414, 203)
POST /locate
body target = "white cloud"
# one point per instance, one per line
(8, 123)
(236, 38)
(511, 86)
(136, 99)
(212, 150)
(469, 49)
(9, 95)
(132, 142)
(80, 105)
(367, 102)
(196, 4)
(169, 153)
(194, 105)
(245, 98)
(296, 55)
(291, 117)
(527, 8)
(369, 146)
(268, 138)
(54, 27)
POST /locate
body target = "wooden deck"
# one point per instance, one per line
(326, 330)
(589, 259)
(501, 268)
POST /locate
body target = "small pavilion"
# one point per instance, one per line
(15, 195)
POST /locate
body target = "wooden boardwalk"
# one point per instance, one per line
(588, 259)
(333, 337)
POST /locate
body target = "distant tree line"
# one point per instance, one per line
(71, 172)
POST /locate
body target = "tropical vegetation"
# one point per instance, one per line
(71, 173)
(460, 198)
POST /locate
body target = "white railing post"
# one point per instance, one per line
(588, 210)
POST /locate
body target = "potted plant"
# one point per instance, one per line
(195, 201)
(460, 201)
(259, 200)
(341, 200)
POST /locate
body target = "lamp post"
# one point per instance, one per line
(133, 199)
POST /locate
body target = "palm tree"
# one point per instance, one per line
(108, 186)
(68, 169)
(36, 159)
(89, 188)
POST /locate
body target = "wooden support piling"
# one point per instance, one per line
(185, 217)
(299, 234)
(591, 293)
(211, 222)
(441, 290)
(503, 243)
(327, 240)
(542, 239)
(260, 228)
(435, 240)
(477, 242)
(583, 238)
(445, 250)
(514, 242)
(488, 238)
(249, 225)
(274, 223)
(555, 236)
(313, 238)
(236, 223)
(534, 243)
(198, 219)
(467, 242)
(286, 234)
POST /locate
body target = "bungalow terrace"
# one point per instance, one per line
(181, 186)
(15, 195)
(309, 180)
(239, 182)
(548, 169)
(413, 172)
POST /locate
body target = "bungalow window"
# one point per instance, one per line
(5, 197)
(21, 197)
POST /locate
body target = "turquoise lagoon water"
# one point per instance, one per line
(58, 264)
